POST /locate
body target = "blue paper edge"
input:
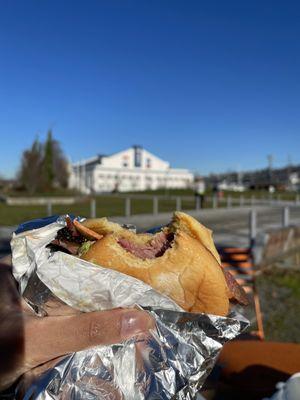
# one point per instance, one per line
(38, 223)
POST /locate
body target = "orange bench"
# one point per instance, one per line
(239, 262)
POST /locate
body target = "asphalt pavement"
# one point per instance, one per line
(230, 226)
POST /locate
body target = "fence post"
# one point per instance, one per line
(252, 200)
(93, 208)
(155, 205)
(215, 201)
(178, 203)
(229, 201)
(252, 226)
(127, 206)
(297, 199)
(49, 208)
(285, 217)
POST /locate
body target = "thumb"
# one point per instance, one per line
(50, 337)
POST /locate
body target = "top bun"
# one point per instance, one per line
(187, 270)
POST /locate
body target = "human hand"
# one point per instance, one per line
(29, 342)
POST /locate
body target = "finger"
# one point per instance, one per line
(29, 377)
(34, 373)
(51, 337)
(11, 327)
(55, 307)
(107, 388)
(9, 296)
(6, 260)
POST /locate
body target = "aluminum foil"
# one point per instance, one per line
(172, 361)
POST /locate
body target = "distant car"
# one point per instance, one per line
(235, 187)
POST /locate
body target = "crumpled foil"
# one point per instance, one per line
(171, 362)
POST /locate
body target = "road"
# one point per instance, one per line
(232, 229)
(230, 226)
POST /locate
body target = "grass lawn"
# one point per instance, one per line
(13, 215)
(279, 292)
(105, 206)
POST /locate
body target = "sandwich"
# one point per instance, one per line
(179, 261)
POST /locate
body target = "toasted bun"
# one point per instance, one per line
(188, 272)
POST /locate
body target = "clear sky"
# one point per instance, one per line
(208, 85)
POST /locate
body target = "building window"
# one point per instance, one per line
(148, 163)
(137, 156)
(125, 161)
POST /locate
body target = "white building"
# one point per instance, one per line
(133, 169)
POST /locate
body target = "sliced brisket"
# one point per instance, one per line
(156, 247)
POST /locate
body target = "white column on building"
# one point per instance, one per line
(89, 180)
(167, 183)
(77, 176)
(74, 175)
(80, 175)
(92, 186)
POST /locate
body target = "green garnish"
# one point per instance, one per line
(84, 248)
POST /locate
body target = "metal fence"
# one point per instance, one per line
(281, 213)
(152, 204)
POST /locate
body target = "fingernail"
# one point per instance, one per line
(133, 323)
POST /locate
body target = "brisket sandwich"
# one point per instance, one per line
(180, 261)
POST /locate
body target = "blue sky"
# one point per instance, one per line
(208, 85)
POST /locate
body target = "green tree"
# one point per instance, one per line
(55, 171)
(44, 166)
(48, 163)
(30, 170)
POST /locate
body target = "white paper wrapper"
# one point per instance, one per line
(172, 362)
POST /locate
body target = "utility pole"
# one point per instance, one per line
(289, 169)
(239, 175)
(270, 167)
